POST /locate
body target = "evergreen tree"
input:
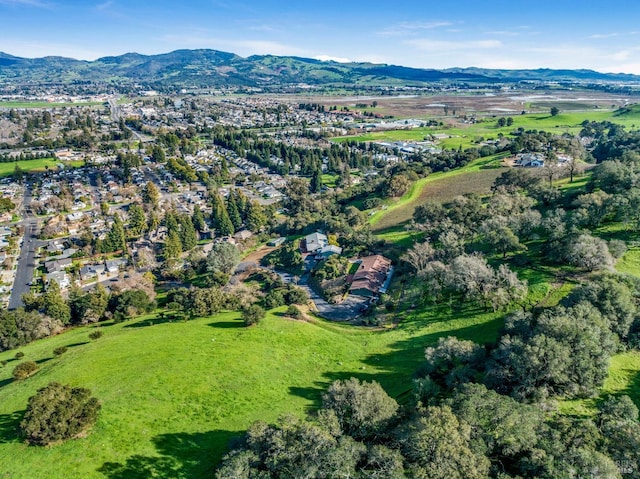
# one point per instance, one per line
(54, 305)
(198, 219)
(316, 181)
(256, 219)
(116, 239)
(233, 212)
(172, 246)
(137, 221)
(188, 235)
(150, 195)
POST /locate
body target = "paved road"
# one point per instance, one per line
(26, 260)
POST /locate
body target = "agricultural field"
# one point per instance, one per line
(174, 393)
(476, 177)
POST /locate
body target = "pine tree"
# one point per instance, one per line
(198, 219)
(172, 246)
(256, 219)
(188, 235)
(150, 195)
(233, 212)
(137, 221)
(116, 239)
(316, 181)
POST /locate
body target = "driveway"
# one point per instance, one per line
(349, 309)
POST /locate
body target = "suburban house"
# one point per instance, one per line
(114, 265)
(372, 277)
(326, 251)
(243, 235)
(57, 265)
(59, 277)
(314, 242)
(91, 271)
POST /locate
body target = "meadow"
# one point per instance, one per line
(40, 164)
(174, 393)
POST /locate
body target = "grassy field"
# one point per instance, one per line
(173, 394)
(468, 135)
(477, 177)
(7, 169)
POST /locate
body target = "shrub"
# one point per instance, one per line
(58, 412)
(252, 315)
(95, 335)
(294, 312)
(60, 350)
(24, 370)
(19, 355)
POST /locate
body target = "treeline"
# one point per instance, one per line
(305, 161)
(25, 155)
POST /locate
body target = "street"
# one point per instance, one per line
(26, 261)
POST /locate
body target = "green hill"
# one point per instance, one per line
(174, 393)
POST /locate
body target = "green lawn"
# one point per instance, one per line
(7, 169)
(173, 394)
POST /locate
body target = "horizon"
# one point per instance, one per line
(308, 58)
(494, 35)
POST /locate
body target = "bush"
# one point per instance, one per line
(252, 315)
(24, 370)
(60, 350)
(294, 312)
(95, 335)
(19, 355)
(58, 412)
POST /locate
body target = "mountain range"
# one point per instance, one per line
(212, 68)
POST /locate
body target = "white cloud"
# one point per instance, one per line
(329, 58)
(241, 47)
(404, 28)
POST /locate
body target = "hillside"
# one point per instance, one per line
(211, 68)
(174, 394)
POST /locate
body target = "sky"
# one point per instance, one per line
(602, 35)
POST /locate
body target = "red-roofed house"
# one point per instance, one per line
(373, 276)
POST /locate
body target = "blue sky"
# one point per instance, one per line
(603, 36)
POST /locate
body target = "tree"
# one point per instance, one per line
(116, 239)
(554, 111)
(256, 218)
(223, 258)
(172, 246)
(24, 370)
(137, 221)
(438, 445)
(198, 219)
(58, 412)
(316, 181)
(364, 410)
(54, 304)
(150, 195)
(397, 185)
(253, 315)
